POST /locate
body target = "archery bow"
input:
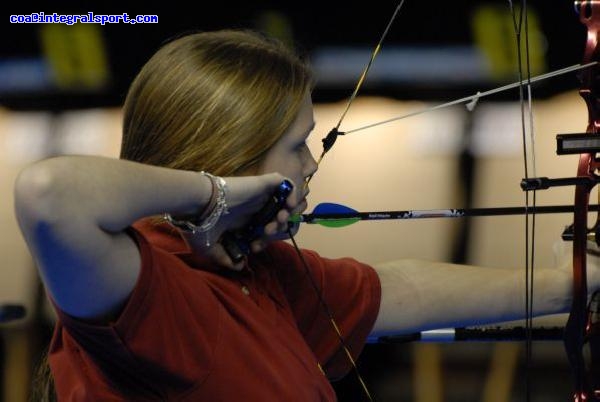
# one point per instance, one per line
(582, 326)
(578, 329)
(328, 143)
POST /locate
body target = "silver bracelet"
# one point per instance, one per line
(211, 220)
(220, 208)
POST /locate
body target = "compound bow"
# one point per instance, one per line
(582, 331)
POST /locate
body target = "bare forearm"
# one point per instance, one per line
(420, 295)
(111, 192)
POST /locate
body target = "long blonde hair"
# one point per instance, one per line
(213, 101)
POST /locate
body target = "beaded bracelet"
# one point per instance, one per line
(216, 207)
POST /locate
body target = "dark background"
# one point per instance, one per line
(420, 23)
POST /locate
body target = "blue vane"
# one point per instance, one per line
(330, 208)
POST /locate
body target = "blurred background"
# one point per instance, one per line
(62, 86)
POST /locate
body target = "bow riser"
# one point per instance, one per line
(580, 331)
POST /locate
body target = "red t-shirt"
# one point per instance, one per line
(193, 332)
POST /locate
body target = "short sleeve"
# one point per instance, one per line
(162, 309)
(350, 289)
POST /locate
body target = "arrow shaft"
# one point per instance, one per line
(496, 334)
(439, 213)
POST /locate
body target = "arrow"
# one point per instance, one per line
(335, 215)
(481, 334)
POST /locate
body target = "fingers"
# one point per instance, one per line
(292, 200)
(218, 254)
(274, 180)
(214, 251)
(279, 224)
(247, 197)
(275, 228)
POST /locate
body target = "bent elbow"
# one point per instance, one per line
(36, 192)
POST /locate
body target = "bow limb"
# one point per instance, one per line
(577, 330)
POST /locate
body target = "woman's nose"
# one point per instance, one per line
(310, 164)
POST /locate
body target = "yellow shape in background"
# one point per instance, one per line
(77, 56)
(494, 34)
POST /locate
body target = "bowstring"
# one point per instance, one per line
(331, 318)
(360, 81)
(374, 54)
(519, 22)
(321, 300)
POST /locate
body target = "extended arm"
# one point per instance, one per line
(422, 295)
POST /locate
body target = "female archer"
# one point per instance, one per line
(156, 309)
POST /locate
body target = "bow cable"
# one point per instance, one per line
(518, 22)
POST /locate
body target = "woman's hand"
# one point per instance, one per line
(245, 196)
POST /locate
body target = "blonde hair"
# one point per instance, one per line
(213, 101)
